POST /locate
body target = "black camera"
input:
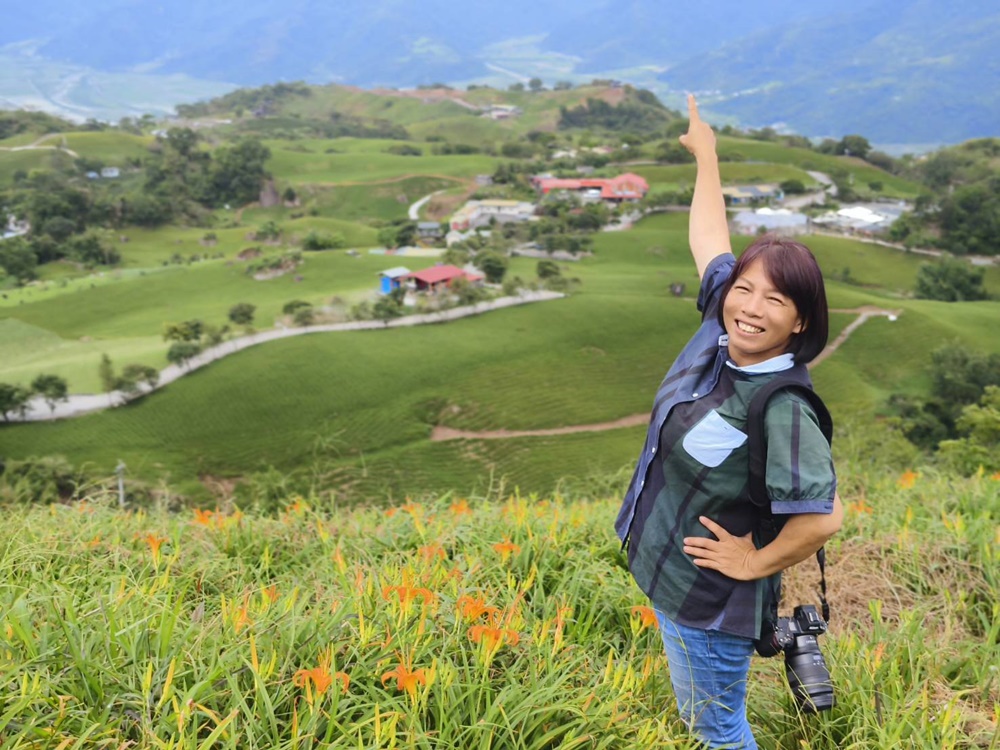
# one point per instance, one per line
(805, 667)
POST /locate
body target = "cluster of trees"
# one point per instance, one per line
(16, 122)
(14, 398)
(129, 381)
(642, 113)
(181, 177)
(260, 100)
(189, 338)
(951, 280)
(960, 420)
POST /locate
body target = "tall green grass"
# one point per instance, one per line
(507, 621)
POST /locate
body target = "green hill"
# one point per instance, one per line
(367, 401)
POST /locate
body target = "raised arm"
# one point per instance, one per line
(708, 228)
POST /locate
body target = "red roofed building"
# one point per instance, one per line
(624, 187)
(438, 277)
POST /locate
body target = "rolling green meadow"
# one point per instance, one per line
(301, 565)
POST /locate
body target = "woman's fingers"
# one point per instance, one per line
(692, 109)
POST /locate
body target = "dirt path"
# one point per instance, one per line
(37, 147)
(441, 433)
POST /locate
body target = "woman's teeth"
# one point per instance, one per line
(746, 328)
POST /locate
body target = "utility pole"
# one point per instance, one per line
(120, 471)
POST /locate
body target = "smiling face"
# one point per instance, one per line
(759, 319)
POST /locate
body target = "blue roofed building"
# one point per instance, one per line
(392, 278)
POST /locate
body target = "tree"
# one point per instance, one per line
(137, 373)
(493, 265)
(563, 86)
(793, 187)
(389, 306)
(188, 330)
(670, 152)
(13, 400)
(290, 308)
(304, 316)
(237, 172)
(106, 373)
(950, 281)
(51, 388)
(535, 84)
(979, 447)
(516, 87)
(547, 269)
(181, 351)
(242, 313)
(854, 145)
(17, 259)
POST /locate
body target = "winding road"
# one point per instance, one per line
(78, 404)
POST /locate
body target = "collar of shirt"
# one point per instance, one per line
(780, 363)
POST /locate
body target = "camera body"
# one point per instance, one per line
(805, 668)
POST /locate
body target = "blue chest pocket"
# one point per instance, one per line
(712, 440)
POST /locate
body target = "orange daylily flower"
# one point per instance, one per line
(241, 619)
(493, 637)
(995, 476)
(907, 479)
(319, 677)
(407, 595)
(155, 542)
(270, 593)
(460, 507)
(391, 512)
(406, 679)
(646, 615)
(203, 517)
(472, 608)
(506, 547)
(859, 506)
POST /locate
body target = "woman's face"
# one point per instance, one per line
(759, 319)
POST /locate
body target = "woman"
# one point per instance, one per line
(686, 518)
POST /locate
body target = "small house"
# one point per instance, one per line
(749, 195)
(438, 278)
(429, 231)
(110, 173)
(392, 278)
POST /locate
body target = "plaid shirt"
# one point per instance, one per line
(695, 463)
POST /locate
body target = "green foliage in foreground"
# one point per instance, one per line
(447, 623)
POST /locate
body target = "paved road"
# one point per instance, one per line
(415, 208)
(79, 404)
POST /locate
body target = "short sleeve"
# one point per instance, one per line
(800, 475)
(715, 277)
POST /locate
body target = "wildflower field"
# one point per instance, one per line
(500, 622)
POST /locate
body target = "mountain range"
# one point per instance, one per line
(903, 71)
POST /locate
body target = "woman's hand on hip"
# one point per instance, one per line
(732, 556)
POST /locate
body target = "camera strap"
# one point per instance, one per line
(796, 379)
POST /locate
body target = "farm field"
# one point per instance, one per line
(455, 621)
(359, 407)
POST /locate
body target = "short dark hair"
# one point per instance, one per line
(793, 270)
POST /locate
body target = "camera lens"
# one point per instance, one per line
(808, 675)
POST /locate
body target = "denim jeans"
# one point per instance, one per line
(708, 670)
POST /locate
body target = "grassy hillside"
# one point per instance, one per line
(369, 399)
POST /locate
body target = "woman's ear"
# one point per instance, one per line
(799, 326)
